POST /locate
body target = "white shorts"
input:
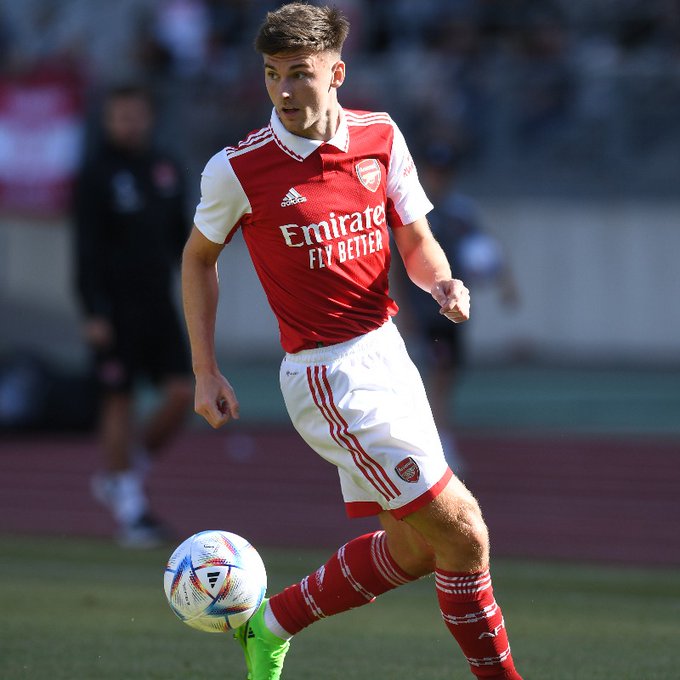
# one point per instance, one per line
(361, 405)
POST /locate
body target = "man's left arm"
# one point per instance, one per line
(428, 267)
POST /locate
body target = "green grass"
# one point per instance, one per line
(84, 609)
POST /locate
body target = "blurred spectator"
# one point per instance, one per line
(518, 84)
(477, 258)
(460, 103)
(130, 231)
(180, 33)
(544, 84)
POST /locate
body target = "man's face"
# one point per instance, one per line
(128, 121)
(303, 88)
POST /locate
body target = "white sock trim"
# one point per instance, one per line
(273, 624)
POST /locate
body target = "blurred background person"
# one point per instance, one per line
(130, 230)
(477, 258)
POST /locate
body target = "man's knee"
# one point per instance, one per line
(467, 531)
(453, 525)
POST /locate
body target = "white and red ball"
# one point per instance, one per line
(215, 581)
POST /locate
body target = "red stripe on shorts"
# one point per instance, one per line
(320, 402)
(391, 486)
(340, 435)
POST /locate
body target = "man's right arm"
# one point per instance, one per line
(215, 399)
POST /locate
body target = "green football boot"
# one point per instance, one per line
(263, 650)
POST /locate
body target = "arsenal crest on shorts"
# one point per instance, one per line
(369, 173)
(408, 470)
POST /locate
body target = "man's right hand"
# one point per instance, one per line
(215, 399)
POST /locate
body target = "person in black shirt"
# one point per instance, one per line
(130, 231)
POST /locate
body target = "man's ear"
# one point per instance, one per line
(338, 73)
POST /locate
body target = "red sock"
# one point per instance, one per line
(476, 621)
(360, 571)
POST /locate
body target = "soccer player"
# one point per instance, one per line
(314, 193)
(130, 231)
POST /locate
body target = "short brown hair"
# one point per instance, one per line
(299, 26)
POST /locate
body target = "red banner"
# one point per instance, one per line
(41, 131)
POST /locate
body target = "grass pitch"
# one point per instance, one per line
(84, 609)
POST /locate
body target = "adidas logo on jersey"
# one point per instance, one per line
(292, 198)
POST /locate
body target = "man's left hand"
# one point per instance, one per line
(453, 298)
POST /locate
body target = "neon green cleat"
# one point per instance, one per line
(263, 650)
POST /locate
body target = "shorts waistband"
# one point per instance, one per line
(331, 353)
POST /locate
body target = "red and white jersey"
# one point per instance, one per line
(315, 218)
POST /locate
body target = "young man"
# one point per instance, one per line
(130, 231)
(314, 193)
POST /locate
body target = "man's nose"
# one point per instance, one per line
(286, 89)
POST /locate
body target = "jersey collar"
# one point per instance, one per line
(301, 147)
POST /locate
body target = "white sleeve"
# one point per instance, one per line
(223, 200)
(403, 185)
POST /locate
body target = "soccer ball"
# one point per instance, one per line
(215, 581)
